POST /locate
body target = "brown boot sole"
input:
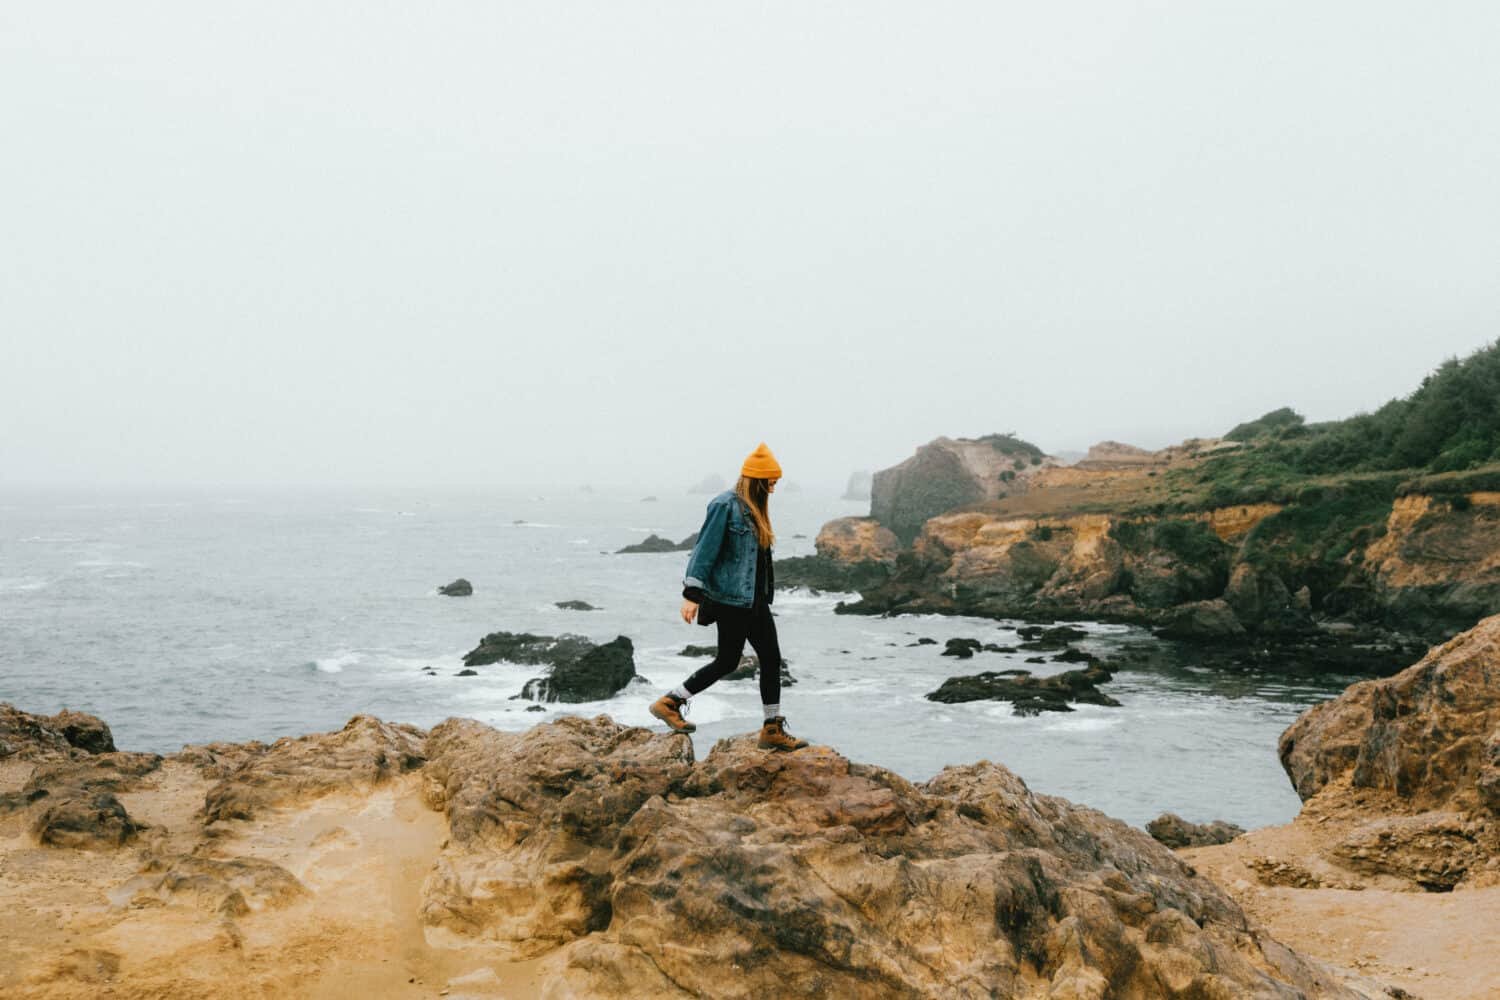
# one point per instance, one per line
(686, 727)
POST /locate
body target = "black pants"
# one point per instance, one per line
(736, 625)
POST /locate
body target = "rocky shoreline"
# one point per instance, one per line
(587, 858)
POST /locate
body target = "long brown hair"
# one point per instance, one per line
(757, 497)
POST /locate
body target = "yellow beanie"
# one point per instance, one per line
(761, 464)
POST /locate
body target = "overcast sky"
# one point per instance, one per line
(442, 243)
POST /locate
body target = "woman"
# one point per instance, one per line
(730, 581)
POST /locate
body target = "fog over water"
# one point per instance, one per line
(463, 243)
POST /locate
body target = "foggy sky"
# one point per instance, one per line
(471, 243)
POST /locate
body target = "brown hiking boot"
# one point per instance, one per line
(773, 736)
(668, 708)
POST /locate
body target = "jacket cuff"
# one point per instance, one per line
(693, 594)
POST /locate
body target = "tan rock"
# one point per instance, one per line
(1413, 761)
(856, 540)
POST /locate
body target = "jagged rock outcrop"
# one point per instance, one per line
(947, 473)
(806, 874)
(363, 754)
(853, 554)
(458, 588)
(524, 647)
(631, 868)
(575, 606)
(1407, 768)
(1437, 564)
(597, 675)
(1174, 831)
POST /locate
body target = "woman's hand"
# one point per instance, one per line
(689, 611)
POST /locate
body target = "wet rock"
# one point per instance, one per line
(1028, 693)
(749, 669)
(576, 606)
(523, 647)
(647, 873)
(467, 672)
(1174, 831)
(536, 708)
(699, 651)
(961, 648)
(598, 674)
(458, 588)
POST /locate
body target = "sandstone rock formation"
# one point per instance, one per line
(625, 866)
(748, 875)
(458, 588)
(947, 473)
(853, 553)
(1438, 561)
(1407, 768)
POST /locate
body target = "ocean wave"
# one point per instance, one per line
(336, 663)
(109, 564)
(21, 584)
(532, 524)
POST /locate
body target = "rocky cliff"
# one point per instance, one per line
(585, 858)
(1138, 536)
(948, 473)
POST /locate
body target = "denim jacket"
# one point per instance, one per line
(723, 561)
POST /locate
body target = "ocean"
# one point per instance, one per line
(194, 616)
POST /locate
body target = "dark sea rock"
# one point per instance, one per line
(1028, 693)
(648, 499)
(652, 543)
(1174, 831)
(466, 672)
(523, 647)
(458, 588)
(961, 648)
(692, 650)
(598, 674)
(576, 606)
(749, 669)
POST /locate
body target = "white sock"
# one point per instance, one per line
(771, 711)
(679, 692)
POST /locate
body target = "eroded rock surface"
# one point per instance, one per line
(363, 754)
(633, 869)
(1409, 766)
(807, 874)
